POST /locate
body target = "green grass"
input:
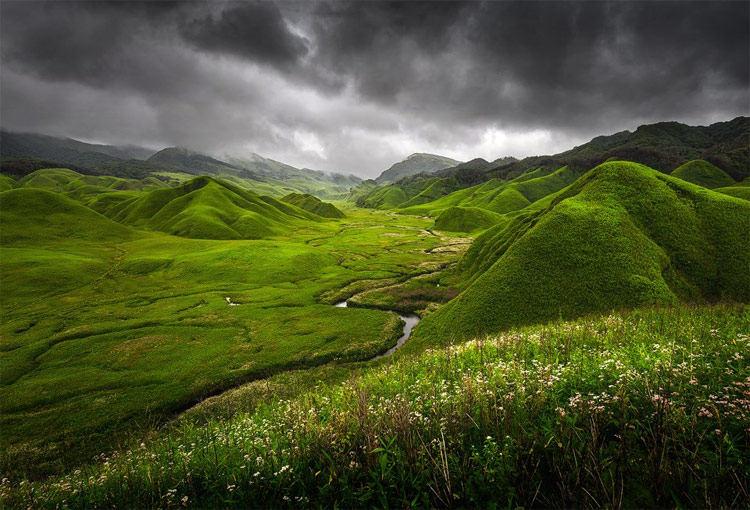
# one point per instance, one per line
(622, 236)
(704, 174)
(205, 208)
(436, 189)
(466, 219)
(643, 409)
(82, 187)
(51, 179)
(739, 189)
(7, 183)
(30, 213)
(112, 328)
(109, 330)
(313, 204)
(495, 195)
(742, 192)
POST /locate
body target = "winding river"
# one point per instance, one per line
(410, 320)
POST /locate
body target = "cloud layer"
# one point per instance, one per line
(356, 86)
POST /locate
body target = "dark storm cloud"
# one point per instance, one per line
(541, 63)
(77, 41)
(355, 85)
(380, 44)
(253, 30)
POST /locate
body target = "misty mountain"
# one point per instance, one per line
(415, 164)
(261, 166)
(23, 153)
(65, 150)
(178, 159)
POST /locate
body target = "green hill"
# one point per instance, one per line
(178, 159)
(65, 150)
(392, 196)
(259, 174)
(415, 164)
(436, 189)
(466, 219)
(704, 174)
(303, 180)
(360, 190)
(88, 189)
(495, 195)
(37, 215)
(560, 415)
(313, 204)
(739, 189)
(51, 179)
(623, 235)
(7, 183)
(206, 208)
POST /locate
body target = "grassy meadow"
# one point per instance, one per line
(172, 341)
(648, 408)
(109, 330)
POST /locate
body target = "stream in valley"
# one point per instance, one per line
(410, 320)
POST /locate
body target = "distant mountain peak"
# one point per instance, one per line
(419, 162)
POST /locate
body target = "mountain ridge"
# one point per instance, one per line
(419, 162)
(623, 235)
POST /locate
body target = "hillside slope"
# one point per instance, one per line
(415, 164)
(623, 235)
(206, 208)
(65, 150)
(495, 195)
(41, 215)
(313, 204)
(704, 174)
(663, 146)
(536, 417)
(77, 185)
(739, 190)
(466, 219)
(178, 159)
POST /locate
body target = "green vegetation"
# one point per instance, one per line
(313, 204)
(622, 236)
(644, 409)
(736, 191)
(739, 189)
(205, 208)
(433, 195)
(109, 330)
(181, 328)
(28, 214)
(7, 183)
(415, 164)
(96, 191)
(65, 150)
(703, 174)
(466, 219)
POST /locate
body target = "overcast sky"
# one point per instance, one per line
(357, 86)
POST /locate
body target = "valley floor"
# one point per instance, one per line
(104, 341)
(649, 408)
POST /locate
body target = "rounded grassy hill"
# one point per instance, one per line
(622, 236)
(466, 219)
(704, 174)
(313, 204)
(206, 208)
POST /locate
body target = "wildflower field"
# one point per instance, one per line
(649, 408)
